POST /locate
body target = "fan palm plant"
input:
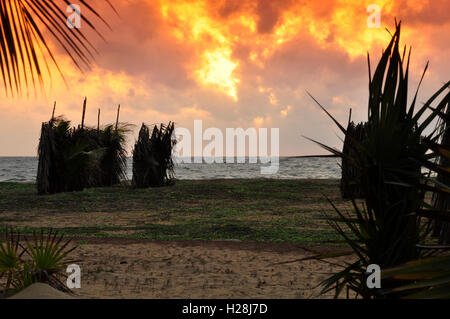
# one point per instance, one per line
(387, 228)
(11, 252)
(42, 259)
(23, 43)
(48, 259)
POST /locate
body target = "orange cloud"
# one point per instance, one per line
(237, 63)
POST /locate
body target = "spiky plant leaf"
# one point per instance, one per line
(387, 229)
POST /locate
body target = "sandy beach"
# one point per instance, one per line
(131, 269)
(197, 239)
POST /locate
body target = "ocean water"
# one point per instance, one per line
(23, 169)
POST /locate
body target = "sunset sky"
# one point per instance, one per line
(234, 63)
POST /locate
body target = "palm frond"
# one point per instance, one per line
(23, 46)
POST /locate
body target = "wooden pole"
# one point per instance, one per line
(98, 120)
(53, 113)
(84, 112)
(117, 119)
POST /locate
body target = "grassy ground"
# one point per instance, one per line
(241, 210)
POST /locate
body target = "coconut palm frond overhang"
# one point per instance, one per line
(24, 46)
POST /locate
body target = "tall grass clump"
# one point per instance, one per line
(73, 158)
(153, 164)
(387, 228)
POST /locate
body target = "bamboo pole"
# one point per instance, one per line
(98, 120)
(117, 119)
(53, 113)
(84, 112)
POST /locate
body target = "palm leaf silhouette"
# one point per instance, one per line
(22, 42)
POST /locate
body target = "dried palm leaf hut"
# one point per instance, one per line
(68, 158)
(73, 158)
(349, 186)
(152, 156)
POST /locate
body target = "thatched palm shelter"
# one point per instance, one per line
(68, 158)
(349, 185)
(152, 156)
(113, 163)
(73, 158)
